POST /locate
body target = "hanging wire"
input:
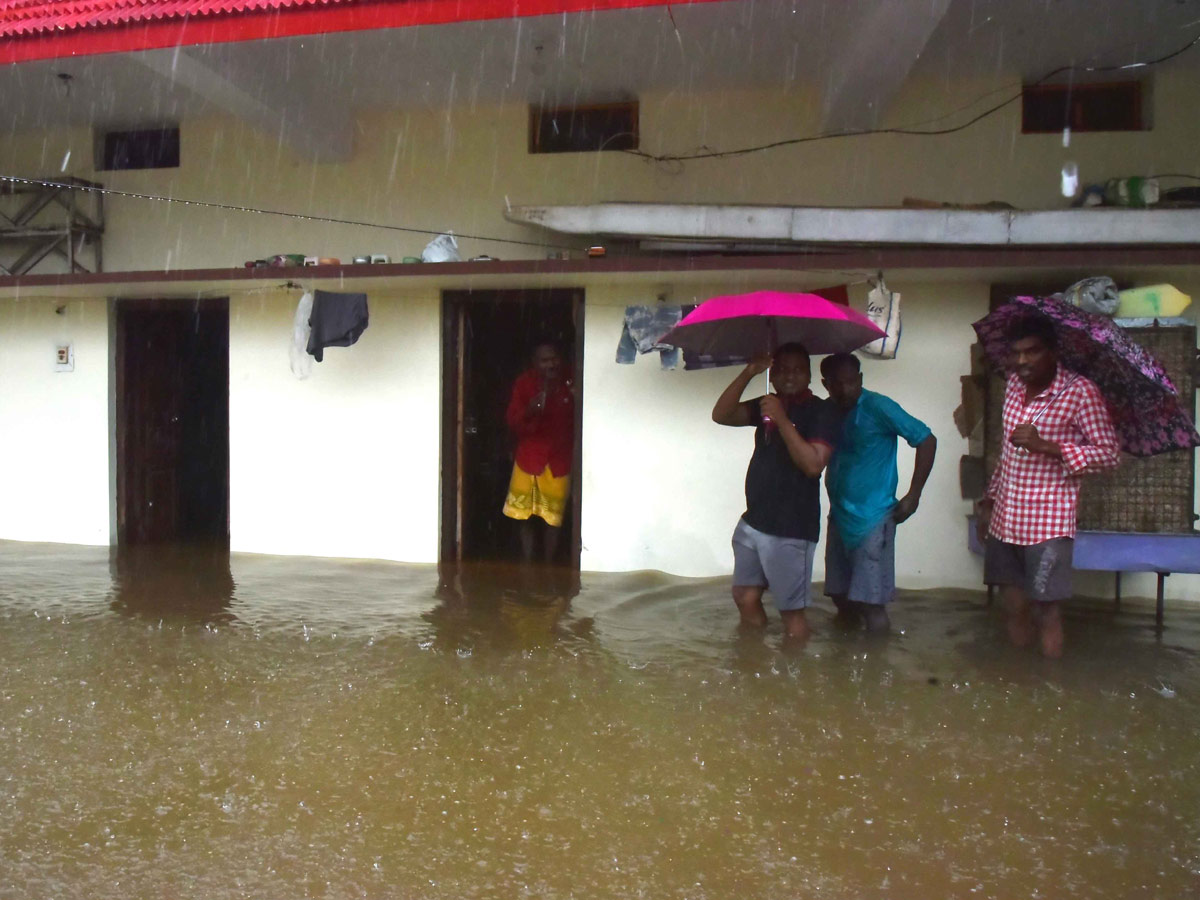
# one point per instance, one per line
(232, 207)
(912, 130)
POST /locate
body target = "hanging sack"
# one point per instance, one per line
(883, 308)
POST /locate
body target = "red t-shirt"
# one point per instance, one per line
(548, 438)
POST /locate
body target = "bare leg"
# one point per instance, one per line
(847, 615)
(526, 536)
(795, 625)
(749, 603)
(1019, 614)
(550, 538)
(1050, 630)
(875, 615)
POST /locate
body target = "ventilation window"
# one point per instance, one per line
(583, 129)
(156, 148)
(1047, 108)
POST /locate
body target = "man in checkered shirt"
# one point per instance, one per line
(1056, 429)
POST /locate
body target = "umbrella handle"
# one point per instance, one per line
(767, 419)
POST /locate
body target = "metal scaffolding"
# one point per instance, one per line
(38, 221)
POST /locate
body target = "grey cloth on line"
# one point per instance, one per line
(642, 328)
(337, 320)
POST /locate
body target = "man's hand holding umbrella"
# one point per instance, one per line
(1027, 438)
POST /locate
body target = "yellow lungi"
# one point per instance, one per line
(537, 495)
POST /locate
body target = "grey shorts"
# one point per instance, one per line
(866, 574)
(784, 565)
(1042, 570)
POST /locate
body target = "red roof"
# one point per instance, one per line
(26, 17)
(46, 29)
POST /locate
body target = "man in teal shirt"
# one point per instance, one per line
(860, 549)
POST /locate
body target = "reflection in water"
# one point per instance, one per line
(362, 729)
(507, 606)
(173, 582)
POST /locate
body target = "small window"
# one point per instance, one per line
(156, 148)
(1047, 108)
(583, 129)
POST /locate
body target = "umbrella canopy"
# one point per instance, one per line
(1146, 409)
(742, 325)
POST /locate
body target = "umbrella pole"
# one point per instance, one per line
(771, 338)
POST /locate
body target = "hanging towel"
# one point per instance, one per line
(642, 328)
(338, 320)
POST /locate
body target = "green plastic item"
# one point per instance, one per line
(1152, 301)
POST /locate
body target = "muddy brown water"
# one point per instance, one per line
(187, 723)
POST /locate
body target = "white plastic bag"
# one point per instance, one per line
(443, 248)
(302, 363)
(1095, 295)
(883, 308)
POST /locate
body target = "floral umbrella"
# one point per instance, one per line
(1146, 408)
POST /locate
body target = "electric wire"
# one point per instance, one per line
(232, 207)
(910, 130)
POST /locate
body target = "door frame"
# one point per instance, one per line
(454, 307)
(121, 497)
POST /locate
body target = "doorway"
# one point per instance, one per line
(487, 340)
(172, 421)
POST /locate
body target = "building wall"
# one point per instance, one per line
(651, 430)
(456, 168)
(346, 462)
(54, 449)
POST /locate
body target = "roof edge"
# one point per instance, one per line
(281, 22)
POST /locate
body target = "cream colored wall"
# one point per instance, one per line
(663, 484)
(456, 168)
(346, 461)
(54, 426)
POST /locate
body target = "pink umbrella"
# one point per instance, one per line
(743, 325)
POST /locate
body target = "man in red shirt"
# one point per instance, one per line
(541, 415)
(1056, 429)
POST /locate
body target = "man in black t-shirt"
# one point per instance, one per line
(776, 538)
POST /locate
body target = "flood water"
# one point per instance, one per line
(192, 724)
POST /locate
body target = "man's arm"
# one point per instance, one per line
(729, 408)
(810, 457)
(521, 415)
(907, 505)
(918, 436)
(1099, 449)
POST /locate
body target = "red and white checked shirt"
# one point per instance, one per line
(1036, 495)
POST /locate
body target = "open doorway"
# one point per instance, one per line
(487, 340)
(172, 421)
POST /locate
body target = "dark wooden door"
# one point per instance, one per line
(172, 407)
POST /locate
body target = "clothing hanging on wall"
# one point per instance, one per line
(338, 320)
(642, 328)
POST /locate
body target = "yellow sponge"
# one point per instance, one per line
(1155, 300)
